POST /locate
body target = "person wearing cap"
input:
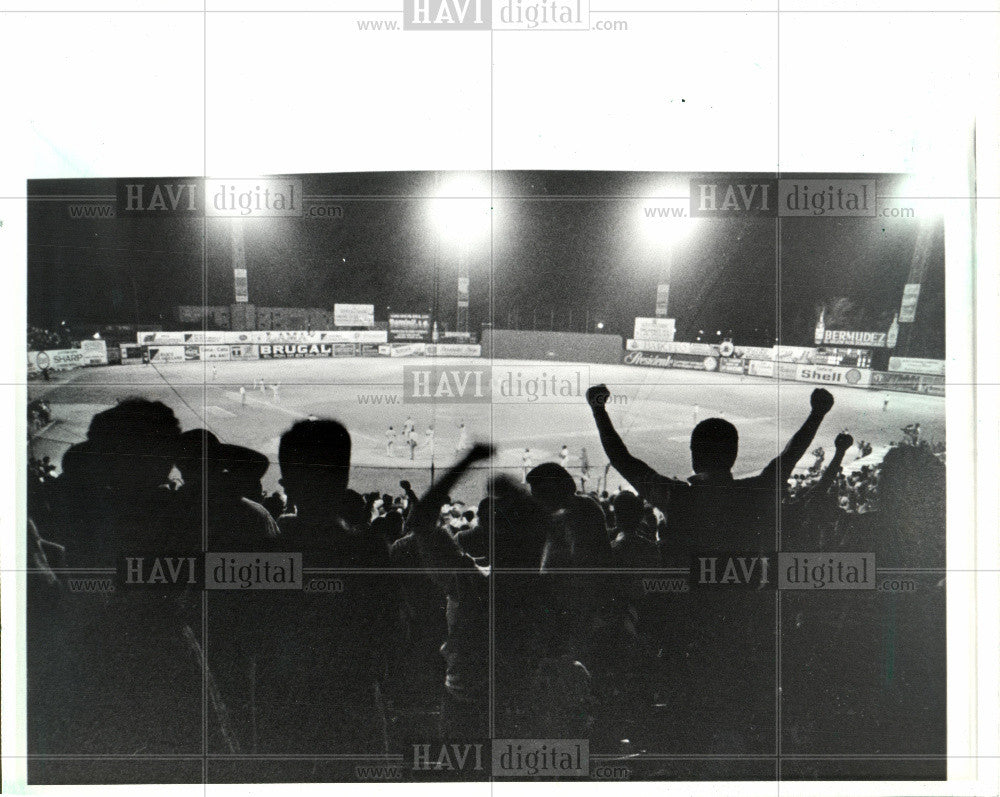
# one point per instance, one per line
(225, 475)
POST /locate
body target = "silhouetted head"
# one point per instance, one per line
(315, 460)
(78, 463)
(192, 460)
(628, 510)
(551, 485)
(231, 470)
(354, 511)
(244, 469)
(137, 442)
(517, 523)
(586, 528)
(714, 445)
(392, 528)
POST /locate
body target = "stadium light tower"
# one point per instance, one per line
(919, 198)
(461, 214)
(664, 221)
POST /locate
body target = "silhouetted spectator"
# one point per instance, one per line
(323, 661)
(217, 478)
(631, 548)
(122, 669)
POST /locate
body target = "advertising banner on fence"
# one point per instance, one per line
(160, 338)
(843, 337)
(192, 353)
(928, 384)
(219, 337)
(761, 368)
(323, 336)
(691, 362)
(648, 345)
(834, 374)
(354, 315)
(649, 359)
(673, 347)
(244, 351)
(916, 365)
(731, 365)
(166, 354)
(453, 350)
(289, 336)
(56, 360)
(409, 326)
(403, 349)
(793, 354)
(215, 353)
(95, 351)
(661, 329)
(210, 337)
(784, 370)
(284, 350)
(755, 352)
(357, 336)
(132, 353)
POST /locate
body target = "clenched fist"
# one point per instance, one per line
(822, 400)
(598, 395)
(843, 441)
(479, 451)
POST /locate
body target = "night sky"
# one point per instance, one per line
(565, 247)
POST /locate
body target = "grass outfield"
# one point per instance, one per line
(655, 412)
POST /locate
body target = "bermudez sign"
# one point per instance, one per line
(841, 337)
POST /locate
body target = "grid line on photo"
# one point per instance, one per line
(491, 506)
(780, 340)
(205, 478)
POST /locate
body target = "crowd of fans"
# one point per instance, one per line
(856, 491)
(528, 615)
(41, 339)
(39, 415)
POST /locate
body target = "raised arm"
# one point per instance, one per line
(437, 547)
(843, 442)
(781, 467)
(411, 499)
(649, 484)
